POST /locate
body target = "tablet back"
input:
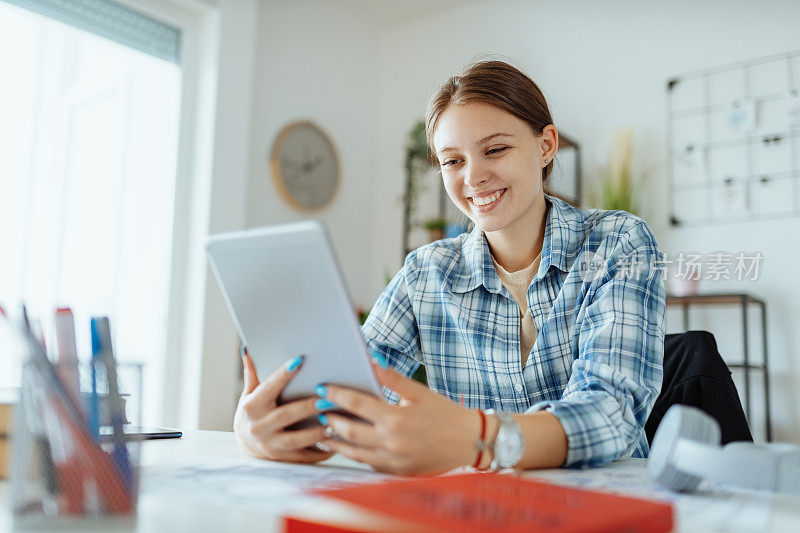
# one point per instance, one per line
(287, 297)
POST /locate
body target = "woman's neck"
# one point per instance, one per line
(517, 245)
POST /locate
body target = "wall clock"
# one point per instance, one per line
(305, 166)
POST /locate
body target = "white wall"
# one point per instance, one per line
(317, 61)
(603, 65)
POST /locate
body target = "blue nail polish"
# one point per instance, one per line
(322, 419)
(242, 350)
(292, 365)
(321, 391)
(380, 359)
(324, 405)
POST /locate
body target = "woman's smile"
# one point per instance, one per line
(485, 202)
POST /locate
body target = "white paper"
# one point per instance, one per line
(713, 507)
(741, 117)
(253, 484)
(730, 198)
(689, 166)
(793, 111)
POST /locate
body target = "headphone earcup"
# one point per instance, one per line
(680, 422)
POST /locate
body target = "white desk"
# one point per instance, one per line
(711, 510)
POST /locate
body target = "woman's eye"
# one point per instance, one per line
(450, 162)
(496, 150)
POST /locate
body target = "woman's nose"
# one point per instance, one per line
(475, 174)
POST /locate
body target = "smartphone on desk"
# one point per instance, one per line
(141, 433)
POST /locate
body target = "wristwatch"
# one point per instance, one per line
(509, 446)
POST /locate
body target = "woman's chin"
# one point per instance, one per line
(488, 224)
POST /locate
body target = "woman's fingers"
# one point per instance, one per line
(297, 440)
(355, 432)
(361, 404)
(268, 391)
(288, 414)
(250, 375)
(375, 458)
(301, 455)
(307, 456)
(403, 386)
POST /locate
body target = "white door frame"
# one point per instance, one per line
(218, 43)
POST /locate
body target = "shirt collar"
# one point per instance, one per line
(562, 242)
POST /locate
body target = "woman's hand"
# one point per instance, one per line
(260, 424)
(425, 433)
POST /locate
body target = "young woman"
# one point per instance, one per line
(541, 331)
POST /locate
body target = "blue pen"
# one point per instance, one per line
(94, 399)
(102, 330)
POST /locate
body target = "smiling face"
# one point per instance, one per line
(491, 164)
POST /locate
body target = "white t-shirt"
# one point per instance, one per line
(517, 284)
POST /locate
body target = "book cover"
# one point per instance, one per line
(485, 502)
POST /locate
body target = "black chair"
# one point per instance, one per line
(696, 375)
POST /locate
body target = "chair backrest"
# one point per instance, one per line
(696, 375)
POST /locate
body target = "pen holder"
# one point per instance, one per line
(61, 468)
(129, 381)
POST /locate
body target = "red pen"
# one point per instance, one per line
(67, 361)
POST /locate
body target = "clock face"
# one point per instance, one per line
(305, 166)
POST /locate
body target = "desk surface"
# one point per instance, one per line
(714, 299)
(711, 510)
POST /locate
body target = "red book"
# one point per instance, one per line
(482, 502)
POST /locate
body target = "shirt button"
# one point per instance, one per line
(518, 387)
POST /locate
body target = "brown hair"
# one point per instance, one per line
(496, 83)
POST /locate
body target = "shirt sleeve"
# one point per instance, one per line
(618, 373)
(391, 327)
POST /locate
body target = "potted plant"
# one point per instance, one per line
(418, 163)
(619, 186)
(436, 228)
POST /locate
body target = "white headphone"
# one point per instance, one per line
(686, 449)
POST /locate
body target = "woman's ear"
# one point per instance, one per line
(549, 143)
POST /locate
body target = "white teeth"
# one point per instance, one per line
(486, 200)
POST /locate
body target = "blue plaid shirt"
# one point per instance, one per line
(597, 302)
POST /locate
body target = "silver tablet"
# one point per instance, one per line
(287, 297)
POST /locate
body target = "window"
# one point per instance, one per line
(89, 137)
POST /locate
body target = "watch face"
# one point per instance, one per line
(308, 165)
(510, 445)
